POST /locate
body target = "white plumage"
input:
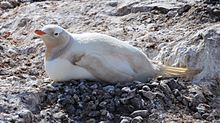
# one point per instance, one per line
(96, 56)
(62, 70)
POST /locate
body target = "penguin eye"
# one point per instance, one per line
(56, 34)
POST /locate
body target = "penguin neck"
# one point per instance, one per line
(53, 52)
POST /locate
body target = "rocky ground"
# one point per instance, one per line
(178, 33)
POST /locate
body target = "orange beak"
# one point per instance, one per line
(39, 32)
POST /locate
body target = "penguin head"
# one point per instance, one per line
(53, 35)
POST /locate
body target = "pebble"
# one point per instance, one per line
(197, 115)
(94, 114)
(205, 115)
(137, 119)
(125, 121)
(103, 112)
(146, 88)
(109, 88)
(216, 121)
(126, 89)
(153, 85)
(23, 22)
(198, 98)
(6, 5)
(165, 88)
(112, 3)
(203, 108)
(95, 86)
(103, 104)
(59, 115)
(92, 120)
(148, 94)
(174, 84)
(26, 115)
(183, 9)
(142, 113)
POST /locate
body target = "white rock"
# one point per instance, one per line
(199, 51)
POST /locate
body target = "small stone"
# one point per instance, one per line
(197, 99)
(174, 84)
(210, 118)
(109, 115)
(177, 92)
(82, 86)
(20, 120)
(205, 115)
(137, 102)
(215, 113)
(104, 121)
(94, 114)
(137, 119)
(15, 2)
(86, 98)
(185, 100)
(6, 5)
(76, 98)
(95, 86)
(183, 9)
(148, 94)
(171, 14)
(118, 92)
(109, 88)
(126, 89)
(165, 88)
(153, 85)
(142, 113)
(23, 22)
(197, 115)
(92, 120)
(26, 115)
(103, 112)
(139, 84)
(59, 115)
(125, 121)
(124, 100)
(122, 10)
(127, 118)
(103, 104)
(43, 113)
(70, 109)
(2, 109)
(65, 100)
(50, 87)
(146, 88)
(202, 108)
(216, 121)
(112, 3)
(91, 105)
(211, 2)
(1, 48)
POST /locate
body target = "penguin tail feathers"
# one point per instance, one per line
(168, 71)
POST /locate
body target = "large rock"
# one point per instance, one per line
(198, 51)
(145, 6)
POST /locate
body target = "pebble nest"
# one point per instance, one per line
(136, 102)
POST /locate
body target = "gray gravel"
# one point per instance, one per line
(82, 101)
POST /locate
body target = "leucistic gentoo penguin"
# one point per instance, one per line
(96, 56)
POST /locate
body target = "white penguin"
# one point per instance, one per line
(97, 56)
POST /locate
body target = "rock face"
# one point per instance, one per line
(199, 51)
(177, 33)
